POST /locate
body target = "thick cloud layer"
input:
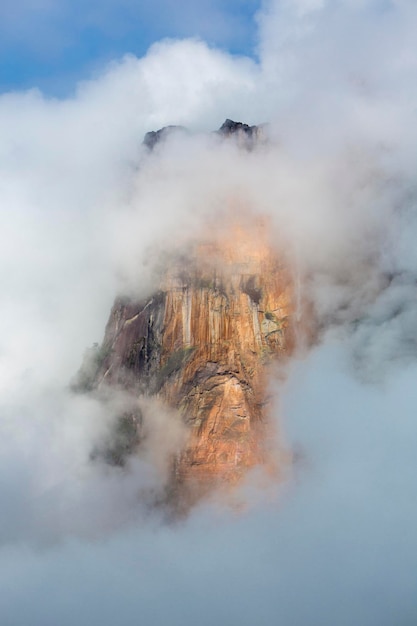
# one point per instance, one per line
(340, 547)
(85, 211)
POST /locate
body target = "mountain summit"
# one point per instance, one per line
(202, 344)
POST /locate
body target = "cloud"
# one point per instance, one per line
(340, 546)
(83, 208)
(55, 44)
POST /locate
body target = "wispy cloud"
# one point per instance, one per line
(55, 44)
(82, 208)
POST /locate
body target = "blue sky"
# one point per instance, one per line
(52, 44)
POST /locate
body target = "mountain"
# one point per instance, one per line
(202, 344)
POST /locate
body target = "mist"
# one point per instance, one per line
(86, 214)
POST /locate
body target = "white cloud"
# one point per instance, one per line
(81, 208)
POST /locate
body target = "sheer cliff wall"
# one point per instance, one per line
(203, 344)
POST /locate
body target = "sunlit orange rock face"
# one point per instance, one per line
(204, 343)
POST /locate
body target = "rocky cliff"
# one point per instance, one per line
(202, 344)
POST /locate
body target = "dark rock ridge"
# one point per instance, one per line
(156, 136)
(229, 127)
(246, 135)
